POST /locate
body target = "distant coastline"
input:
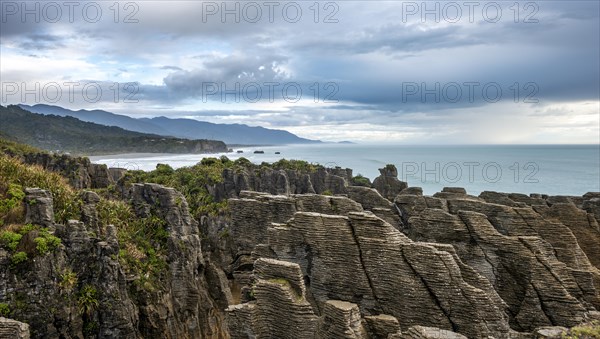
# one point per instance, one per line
(552, 169)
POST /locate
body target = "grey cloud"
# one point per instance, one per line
(370, 54)
(172, 68)
(393, 38)
(229, 70)
(42, 42)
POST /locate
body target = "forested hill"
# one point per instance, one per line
(68, 134)
(239, 134)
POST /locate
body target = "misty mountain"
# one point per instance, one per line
(68, 134)
(230, 133)
(98, 117)
(180, 128)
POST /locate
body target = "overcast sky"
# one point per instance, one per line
(370, 71)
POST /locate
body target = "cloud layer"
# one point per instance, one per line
(413, 72)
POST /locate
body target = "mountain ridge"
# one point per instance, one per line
(240, 134)
(69, 134)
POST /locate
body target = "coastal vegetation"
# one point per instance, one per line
(70, 135)
(16, 176)
(83, 258)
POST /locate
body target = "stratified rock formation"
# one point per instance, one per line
(361, 259)
(387, 183)
(13, 329)
(453, 265)
(300, 253)
(531, 257)
(282, 181)
(184, 304)
(80, 172)
(186, 308)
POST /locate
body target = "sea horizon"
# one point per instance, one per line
(559, 169)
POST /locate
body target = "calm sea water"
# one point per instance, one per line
(551, 169)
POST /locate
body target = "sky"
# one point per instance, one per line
(435, 72)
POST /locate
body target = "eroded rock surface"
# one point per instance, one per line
(13, 329)
(46, 291)
(387, 183)
(455, 265)
(531, 258)
(286, 262)
(280, 181)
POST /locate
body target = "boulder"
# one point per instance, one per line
(40, 207)
(340, 320)
(387, 183)
(13, 329)
(421, 332)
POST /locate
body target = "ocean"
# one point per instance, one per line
(549, 169)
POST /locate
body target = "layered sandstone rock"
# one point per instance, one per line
(281, 181)
(387, 183)
(13, 329)
(456, 265)
(532, 260)
(365, 262)
(361, 259)
(80, 172)
(46, 291)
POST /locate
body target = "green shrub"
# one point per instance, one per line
(18, 258)
(193, 182)
(10, 240)
(15, 176)
(11, 208)
(327, 192)
(27, 228)
(298, 165)
(53, 242)
(143, 241)
(164, 169)
(68, 280)
(242, 162)
(4, 310)
(591, 331)
(87, 300)
(41, 245)
(360, 180)
(46, 243)
(208, 161)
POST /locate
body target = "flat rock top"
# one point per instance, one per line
(382, 317)
(314, 214)
(238, 307)
(262, 261)
(550, 332)
(344, 305)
